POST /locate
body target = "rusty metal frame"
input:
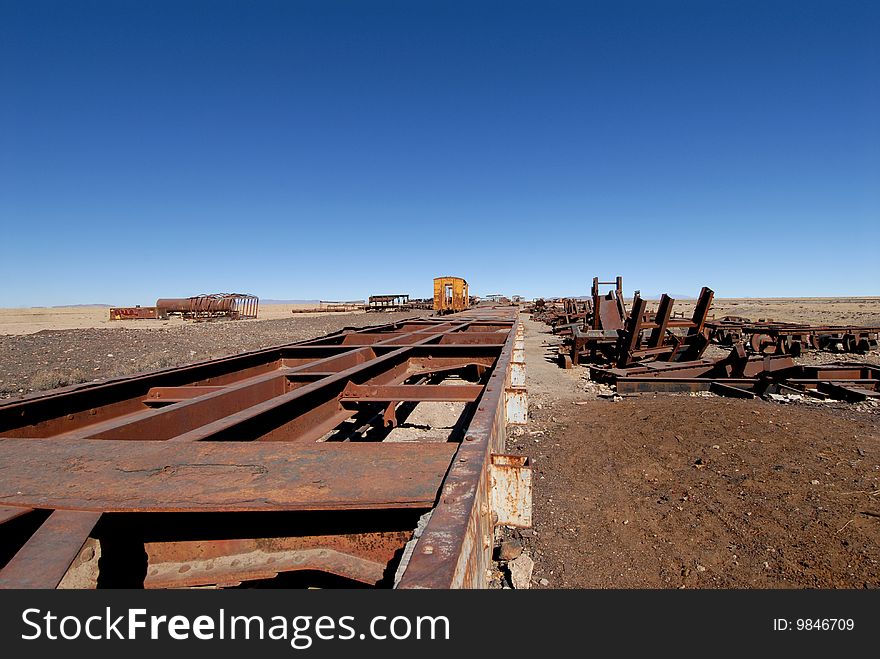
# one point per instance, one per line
(246, 448)
(137, 313)
(743, 375)
(398, 302)
(768, 337)
(236, 306)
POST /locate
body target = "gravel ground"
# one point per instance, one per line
(55, 358)
(694, 491)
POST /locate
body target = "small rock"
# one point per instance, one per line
(509, 550)
(814, 482)
(544, 582)
(701, 568)
(521, 571)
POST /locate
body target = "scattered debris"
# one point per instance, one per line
(520, 570)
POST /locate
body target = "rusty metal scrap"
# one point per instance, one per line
(661, 341)
(768, 337)
(395, 302)
(638, 351)
(746, 375)
(334, 307)
(234, 306)
(602, 329)
(137, 313)
(278, 461)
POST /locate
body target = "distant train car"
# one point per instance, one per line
(450, 294)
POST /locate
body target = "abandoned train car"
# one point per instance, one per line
(450, 295)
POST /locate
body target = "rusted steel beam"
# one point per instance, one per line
(47, 414)
(454, 550)
(701, 311)
(9, 513)
(662, 320)
(673, 384)
(302, 422)
(303, 403)
(142, 476)
(730, 391)
(289, 397)
(45, 557)
(402, 393)
(188, 415)
(847, 392)
(70, 408)
(360, 557)
(629, 339)
(467, 338)
(369, 339)
(168, 395)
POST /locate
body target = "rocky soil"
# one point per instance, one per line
(692, 491)
(55, 358)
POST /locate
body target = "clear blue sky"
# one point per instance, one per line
(340, 149)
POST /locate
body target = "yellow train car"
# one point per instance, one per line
(450, 294)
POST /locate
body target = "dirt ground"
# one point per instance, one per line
(695, 491)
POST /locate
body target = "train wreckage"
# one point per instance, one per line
(288, 465)
(660, 351)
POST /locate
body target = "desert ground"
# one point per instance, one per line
(694, 490)
(36, 319)
(812, 310)
(844, 311)
(652, 490)
(45, 348)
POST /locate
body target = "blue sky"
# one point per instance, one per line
(335, 150)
